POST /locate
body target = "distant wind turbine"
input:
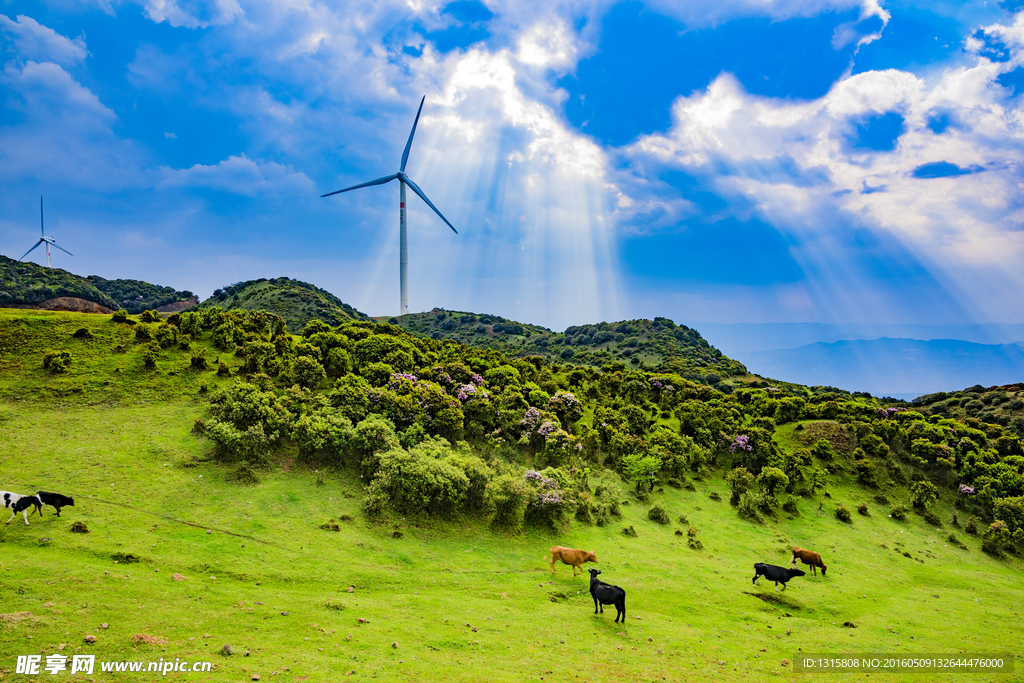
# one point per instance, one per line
(44, 239)
(403, 180)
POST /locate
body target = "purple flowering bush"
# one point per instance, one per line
(552, 502)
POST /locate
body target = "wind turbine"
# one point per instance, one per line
(403, 180)
(44, 239)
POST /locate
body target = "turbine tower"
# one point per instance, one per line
(44, 239)
(403, 180)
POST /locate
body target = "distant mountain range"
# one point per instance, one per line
(900, 368)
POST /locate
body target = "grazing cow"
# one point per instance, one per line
(55, 499)
(18, 503)
(774, 573)
(570, 556)
(606, 594)
(809, 557)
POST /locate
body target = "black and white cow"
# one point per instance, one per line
(19, 503)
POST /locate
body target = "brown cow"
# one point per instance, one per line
(570, 556)
(809, 557)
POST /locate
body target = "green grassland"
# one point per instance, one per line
(441, 599)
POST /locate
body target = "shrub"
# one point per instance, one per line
(234, 445)
(149, 317)
(166, 335)
(223, 370)
(551, 503)
(692, 539)
(629, 531)
(658, 514)
(922, 494)
(244, 474)
(863, 509)
(972, 525)
(932, 518)
(120, 316)
(377, 374)
(739, 481)
(57, 361)
(790, 507)
(198, 359)
(898, 511)
(308, 372)
(952, 538)
(143, 333)
(150, 354)
(419, 482)
(714, 496)
(82, 333)
(507, 497)
(748, 507)
(843, 513)
(772, 478)
(823, 449)
(323, 435)
(995, 538)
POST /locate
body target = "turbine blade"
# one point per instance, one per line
(378, 181)
(408, 145)
(41, 231)
(30, 250)
(417, 190)
(60, 247)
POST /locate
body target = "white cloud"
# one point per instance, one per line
(193, 13)
(238, 175)
(39, 43)
(792, 164)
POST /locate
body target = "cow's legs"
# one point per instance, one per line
(13, 515)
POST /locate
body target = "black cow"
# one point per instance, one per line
(606, 594)
(55, 499)
(774, 573)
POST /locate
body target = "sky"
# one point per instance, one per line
(743, 161)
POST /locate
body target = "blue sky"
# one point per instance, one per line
(824, 161)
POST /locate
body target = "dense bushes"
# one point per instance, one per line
(366, 393)
(57, 361)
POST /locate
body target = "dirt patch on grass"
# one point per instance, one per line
(842, 437)
(65, 303)
(776, 599)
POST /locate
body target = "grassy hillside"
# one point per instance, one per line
(136, 296)
(297, 302)
(658, 345)
(24, 282)
(266, 566)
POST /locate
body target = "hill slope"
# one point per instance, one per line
(289, 566)
(26, 283)
(658, 345)
(296, 301)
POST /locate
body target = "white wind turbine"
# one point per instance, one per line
(44, 239)
(403, 180)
